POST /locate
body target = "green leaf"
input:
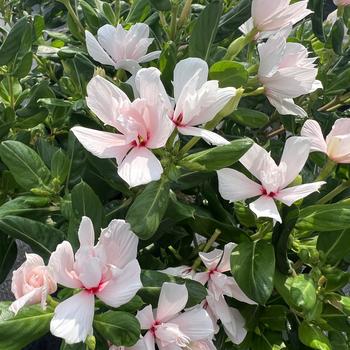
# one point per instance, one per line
(161, 5)
(139, 11)
(25, 165)
(31, 323)
(8, 255)
(337, 36)
(148, 209)
(152, 282)
(317, 7)
(12, 44)
(229, 73)
(59, 165)
(24, 66)
(109, 13)
(7, 119)
(120, 328)
(167, 63)
(312, 336)
(249, 117)
(335, 244)
(42, 238)
(253, 267)
(274, 317)
(345, 304)
(204, 30)
(90, 15)
(217, 157)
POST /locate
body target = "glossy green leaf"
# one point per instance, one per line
(217, 157)
(120, 328)
(229, 73)
(205, 29)
(8, 255)
(317, 6)
(253, 267)
(313, 337)
(59, 165)
(148, 209)
(337, 36)
(334, 244)
(249, 117)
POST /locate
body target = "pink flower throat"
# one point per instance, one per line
(97, 289)
(268, 194)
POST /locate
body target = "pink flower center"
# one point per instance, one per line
(268, 194)
(97, 289)
(154, 327)
(178, 121)
(212, 271)
(140, 141)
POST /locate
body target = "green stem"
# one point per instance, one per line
(173, 22)
(326, 170)
(339, 189)
(210, 242)
(170, 142)
(186, 11)
(228, 109)
(10, 86)
(340, 12)
(239, 44)
(258, 91)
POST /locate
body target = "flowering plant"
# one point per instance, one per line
(179, 171)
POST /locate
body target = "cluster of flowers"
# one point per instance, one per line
(109, 270)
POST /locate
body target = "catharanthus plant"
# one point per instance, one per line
(174, 174)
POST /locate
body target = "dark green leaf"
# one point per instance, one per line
(59, 165)
(229, 73)
(161, 5)
(337, 36)
(313, 337)
(317, 7)
(249, 117)
(205, 30)
(335, 244)
(253, 267)
(8, 255)
(148, 209)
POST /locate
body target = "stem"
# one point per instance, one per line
(239, 44)
(326, 170)
(117, 10)
(185, 13)
(340, 11)
(10, 86)
(228, 109)
(51, 301)
(258, 91)
(339, 189)
(171, 139)
(210, 242)
(173, 22)
(74, 17)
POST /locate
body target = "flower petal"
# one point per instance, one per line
(145, 317)
(150, 56)
(340, 127)
(102, 144)
(235, 186)
(208, 136)
(172, 299)
(123, 286)
(295, 154)
(211, 260)
(285, 106)
(149, 341)
(292, 194)
(73, 318)
(312, 131)
(185, 70)
(117, 244)
(27, 299)
(140, 167)
(225, 263)
(62, 264)
(86, 232)
(265, 207)
(96, 51)
(196, 324)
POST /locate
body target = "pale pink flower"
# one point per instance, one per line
(286, 72)
(337, 143)
(168, 327)
(235, 186)
(108, 270)
(197, 100)
(121, 48)
(273, 15)
(341, 2)
(32, 282)
(143, 125)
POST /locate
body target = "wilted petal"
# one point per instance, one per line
(140, 167)
(123, 286)
(265, 207)
(295, 154)
(312, 131)
(235, 186)
(196, 324)
(96, 51)
(102, 144)
(173, 299)
(292, 194)
(73, 318)
(62, 264)
(117, 244)
(208, 136)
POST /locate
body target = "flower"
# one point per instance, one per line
(337, 143)
(286, 72)
(168, 327)
(217, 263)
(121, 48)
(143, 124)
(235, 186)
(197, 100)
(274, 15)
(108, 270)
(32, 282)
(341, 2)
